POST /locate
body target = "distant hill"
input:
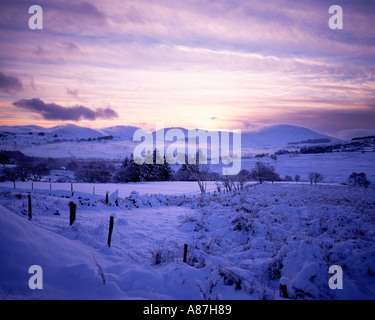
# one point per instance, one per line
(125, 132)
(281, 135)
(73, 131)
(54, 141)
(67, 130)
(364, 138)
(276, 135)
(21, 129)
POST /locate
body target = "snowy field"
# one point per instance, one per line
(79, 150)
(271, 241)
(124, 189)
(335, 167)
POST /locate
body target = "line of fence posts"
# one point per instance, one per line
(73, 215)
(73, 208)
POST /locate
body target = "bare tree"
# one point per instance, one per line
(315, 177)
(200, 172)
(311, 177)
(263, 172)
(241, 178)
(318, 178)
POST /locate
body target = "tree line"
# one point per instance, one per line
(14, 166)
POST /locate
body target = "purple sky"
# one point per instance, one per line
(209, 64)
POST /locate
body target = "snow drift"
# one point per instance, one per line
(69, 267)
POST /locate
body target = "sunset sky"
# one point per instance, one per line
(209, 64)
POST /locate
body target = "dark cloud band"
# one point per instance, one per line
(9, 84)
(53, 111)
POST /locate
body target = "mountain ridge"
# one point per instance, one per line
(280, 134)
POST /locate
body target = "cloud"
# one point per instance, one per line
(86, 8)
(79, 17)
(9, 84)
(72, 92)
(52, 111)
(69, 47)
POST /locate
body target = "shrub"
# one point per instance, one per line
(358, 180)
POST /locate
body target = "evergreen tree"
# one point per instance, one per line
(159, 170)
(129, 172)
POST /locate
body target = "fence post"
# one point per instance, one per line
(106, 198)
(71, 187)
(185, 252)
(50, 186)
(111, 221)
(29, 211)
(73, 208)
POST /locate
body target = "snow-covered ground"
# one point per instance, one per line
(271, 241)
(335, 167)
(124, 189)
(80, 150)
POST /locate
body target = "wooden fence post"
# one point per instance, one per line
(71, 187)
(111, 222)
(185, 252)
(106, 198)
(30, 210)
(73, 208)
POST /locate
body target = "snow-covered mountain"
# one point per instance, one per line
(281, 135)
(55, 141)
(67, 130)
(276, 136)
(272, 135)
(21, 129)
(124, 132)
(74, 131)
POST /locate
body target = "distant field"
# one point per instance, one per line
(335, 167)
(80, 150)
(164, 187)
